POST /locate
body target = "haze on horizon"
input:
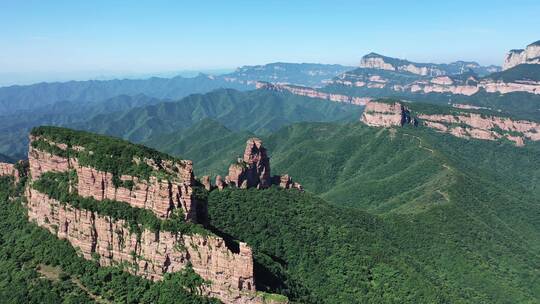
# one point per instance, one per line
(63, 40)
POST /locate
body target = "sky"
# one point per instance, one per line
(62, 40)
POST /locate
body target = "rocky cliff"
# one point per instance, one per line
(9, 170)
(387, 113)
(376, 61)
(312, 93)
(145, 252)
(529, 55)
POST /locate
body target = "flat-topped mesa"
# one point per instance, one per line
(529, 55)
(387, 113)
(253, 170)
(464, 122)
(312, 93)
(376, 61)
(142, 178)
(139, 176)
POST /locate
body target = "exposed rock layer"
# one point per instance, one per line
(9, 170)
(530, 55)
(253, 170)
(460, 124)
(150, 254)
(313, 93)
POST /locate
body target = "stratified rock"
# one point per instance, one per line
(386, 114)
(151, 254)
(464, 124)
(7, 169)
(253, 170)
(205, 181)
(530, 55)
(312, 93)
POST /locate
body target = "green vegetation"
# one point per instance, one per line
(101, 152)
(238, 111)
(39, 268)
(56, 186)
(521, 72)
(458, 217)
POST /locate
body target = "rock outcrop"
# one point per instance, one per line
(7, 169)
(529, 55)
(160, 196)
(387, 114)
(461, 124)
(376, 61)
(147, 253)
(253, 170)
(479, 126)
(313, 93)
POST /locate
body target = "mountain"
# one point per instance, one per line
(256, 111)
(305, 74)
(216, 146)
(15, 127)
(16, 98)
(397, 213)
(376, 61)
(444, 218)
(529, 55)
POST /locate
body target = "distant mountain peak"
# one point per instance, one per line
(529, 55)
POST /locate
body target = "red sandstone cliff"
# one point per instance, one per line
(460, 124)
(313, 93)
(253, 170)
(150, 254)
(9, 170)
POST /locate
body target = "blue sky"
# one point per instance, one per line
(59, 40)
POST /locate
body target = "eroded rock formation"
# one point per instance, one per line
(253, 170)
(529, 55)
(313, 93)
(387, 114)
(460, 124)
(147, 253)
(7, 169)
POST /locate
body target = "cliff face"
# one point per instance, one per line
(473, 125)
(313, 93)
(376, 61)
(530, 55)
(9, 170)
(386, 114)
(460, 124)
(147, 253)
(160, 196)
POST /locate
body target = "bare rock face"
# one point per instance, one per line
(530, 55)
(376, 61)
(9, 170)
(150, 254)
(473, 125)
(160, 196)
(462, 124)
(253, 170)
(312, 93)
(386, 114)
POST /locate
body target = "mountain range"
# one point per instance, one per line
(390, 182)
